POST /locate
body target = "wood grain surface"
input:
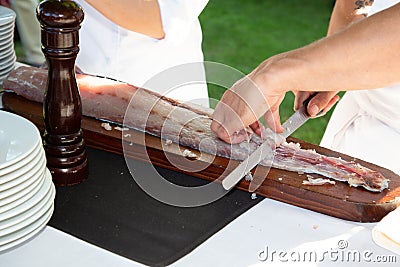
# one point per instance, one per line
(339, 200)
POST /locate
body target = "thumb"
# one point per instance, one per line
(322, 102)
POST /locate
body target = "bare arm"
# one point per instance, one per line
(346, 12)
(142, 16)
(365, 55)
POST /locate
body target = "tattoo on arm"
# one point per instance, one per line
(362, 7)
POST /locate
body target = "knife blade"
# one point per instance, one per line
(265, 150)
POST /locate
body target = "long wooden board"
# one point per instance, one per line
(340, 200)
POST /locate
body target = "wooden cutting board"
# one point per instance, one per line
(340, 200)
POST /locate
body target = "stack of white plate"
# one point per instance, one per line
(7, 54)
(26, 188)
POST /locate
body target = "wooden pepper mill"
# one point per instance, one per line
(63, 143)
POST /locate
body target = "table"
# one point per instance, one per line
(269, 225)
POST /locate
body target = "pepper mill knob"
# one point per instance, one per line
(62, 109)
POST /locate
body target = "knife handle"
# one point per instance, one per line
(305, 104)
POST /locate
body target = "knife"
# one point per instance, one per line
(266, 149)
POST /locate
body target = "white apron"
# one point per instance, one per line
(112, 51)
(366, 124)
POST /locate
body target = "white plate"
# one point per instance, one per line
(6, 41)
(6, 15)
(6, 48)
(8, 26)
(7, 35)
(7, 29)
(29, 232)
(5, 72)
(20, 167)
(16, 238)
(10, 52)
(23, 165)
(29, 216)
(17, 176)
(35, 169)
(7, 62)
(21, 197)
(46, 185)
(18, 138)
(29, 181)
(2, 78)
(8, 67)
(7, 54)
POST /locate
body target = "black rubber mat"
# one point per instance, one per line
(110, 210)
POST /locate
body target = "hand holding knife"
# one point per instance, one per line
(265, 150)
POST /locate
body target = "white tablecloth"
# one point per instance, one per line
(281, 231)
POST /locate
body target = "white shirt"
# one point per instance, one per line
(113, 51)
(366, 123)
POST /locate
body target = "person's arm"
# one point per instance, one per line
(345, 12)
(365, 55)
(142, 16)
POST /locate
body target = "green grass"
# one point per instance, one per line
(242, 34)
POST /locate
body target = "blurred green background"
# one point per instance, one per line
(242, 34)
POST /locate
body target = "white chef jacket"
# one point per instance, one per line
(109, 50)
(366, 124)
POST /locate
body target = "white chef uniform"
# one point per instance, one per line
(113, 51)
(366, 124)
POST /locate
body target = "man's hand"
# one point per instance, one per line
(319, 105)
(242, 105)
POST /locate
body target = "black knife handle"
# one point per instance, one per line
(305, 103)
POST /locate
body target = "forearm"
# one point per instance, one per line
(365, 55)
(142, 16)
(346, 12)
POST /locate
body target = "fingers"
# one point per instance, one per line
(257, 128)
(322, 101)
(319, 105)
(231, 116)
(273, 121)
(272, 117)
(222, 133)
(232, 113)
(331, 103)
(240, 107)
(300, 97)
